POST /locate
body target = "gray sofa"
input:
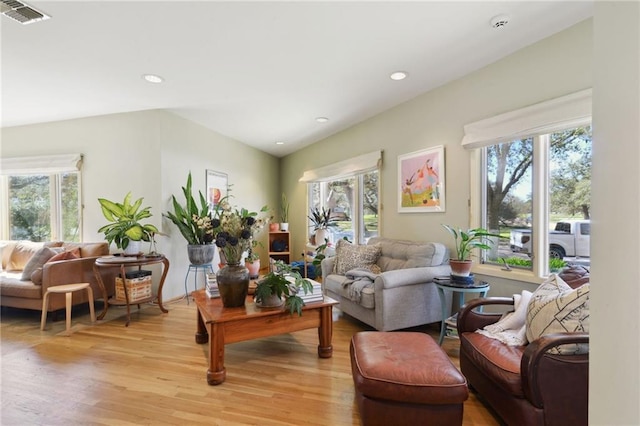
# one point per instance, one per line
(403, 294)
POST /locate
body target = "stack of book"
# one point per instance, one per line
(212, 286)
(315, 296)
(452, 325)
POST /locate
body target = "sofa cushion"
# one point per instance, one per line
(89, 249)
(401, 254)
(21, 253)
(556, 308)
(36, 276)
(36, 261)
(5, 253)
(350, 256)
(13, 286)
(501, 363)
(338, 284)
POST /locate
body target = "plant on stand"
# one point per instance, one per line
(465, 241)
(321, 222)
(194, 223)
(125, 229)
(282, 282)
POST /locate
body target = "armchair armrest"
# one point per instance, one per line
(546, 376)
(411, 276)
(327, 265)
(470, 320)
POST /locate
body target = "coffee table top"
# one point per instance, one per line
(213, 311)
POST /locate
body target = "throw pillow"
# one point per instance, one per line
(36, 261)
(36, 276)
(350, 256)
(556, 308)
(21, 253)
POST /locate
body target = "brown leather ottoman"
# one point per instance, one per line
(404, 378)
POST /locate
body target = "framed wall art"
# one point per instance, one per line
(217, 187)
(421, 181)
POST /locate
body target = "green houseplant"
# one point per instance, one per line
(321, 221)
(125, 227)
(282, 282)
(465, 242)
(284, 213)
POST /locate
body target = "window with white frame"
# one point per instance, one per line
(532, 184)
(41, 198)
(350, 189)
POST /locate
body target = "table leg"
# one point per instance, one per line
(325, 333)
(201, 334)
(98, 276)
(126, 294)
(216, 374)
(443, 304)
(165, 269)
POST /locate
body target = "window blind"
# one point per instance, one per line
(566, 112)
(352, 166)
(42, 164)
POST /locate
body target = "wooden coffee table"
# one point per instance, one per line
(219, 325)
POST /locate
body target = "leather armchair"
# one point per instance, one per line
(524, 385)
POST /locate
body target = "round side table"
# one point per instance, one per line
(480, 287)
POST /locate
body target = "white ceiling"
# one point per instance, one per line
(258, 72)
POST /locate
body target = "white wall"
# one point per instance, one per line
(556, 66)
(149, 153)
(614, 372)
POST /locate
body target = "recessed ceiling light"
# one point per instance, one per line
(279, 143)
(152, 78)
(499, 21)
(398, 75)
(322, 119)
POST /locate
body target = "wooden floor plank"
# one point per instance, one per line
(153, 372)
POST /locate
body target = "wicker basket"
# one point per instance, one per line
(137, 288)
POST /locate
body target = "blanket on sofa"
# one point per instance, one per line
(357, 280)
(511, 328)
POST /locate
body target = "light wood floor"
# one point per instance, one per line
(153, 373)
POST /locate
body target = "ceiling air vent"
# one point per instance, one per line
(21, 12)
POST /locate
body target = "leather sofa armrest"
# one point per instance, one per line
(546, 376)
(470, 320)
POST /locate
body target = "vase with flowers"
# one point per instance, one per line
(194, 223)
(233, 232)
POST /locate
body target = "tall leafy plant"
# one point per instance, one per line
(125, 220)
(284, 209)
(193, 220)
(465, 241)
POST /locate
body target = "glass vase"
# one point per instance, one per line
(233, 283)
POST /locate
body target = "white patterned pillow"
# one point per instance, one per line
(556, 308)
(349, 256)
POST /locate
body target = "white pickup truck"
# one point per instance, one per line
(569, 238)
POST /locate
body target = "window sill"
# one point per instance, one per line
(499, 272)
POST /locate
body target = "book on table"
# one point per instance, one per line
(211, 286)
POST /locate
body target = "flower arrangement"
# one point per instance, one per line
(193, 222)
(233, 229)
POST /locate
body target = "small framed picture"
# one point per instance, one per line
(217, 187)
(421, 181)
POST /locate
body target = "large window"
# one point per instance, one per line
(41, 198)
(561, 194)
(354, 205)
(350, 188)
(531, 172)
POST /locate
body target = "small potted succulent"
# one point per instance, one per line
(281, 286)
(465, 242)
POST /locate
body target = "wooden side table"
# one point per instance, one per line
(123, 262)
(480, 287)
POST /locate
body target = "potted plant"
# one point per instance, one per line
(284, 214)
(321, 221)
(125, 229)
(194, 223)
(282, 283)
(252, 261)
(465, 241)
